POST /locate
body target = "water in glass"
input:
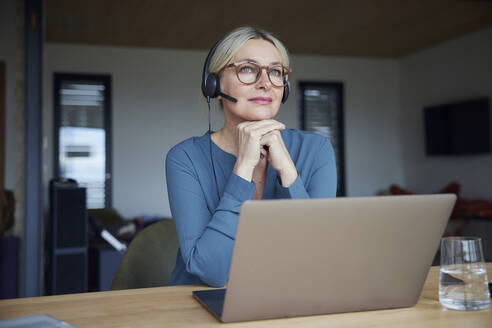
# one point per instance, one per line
(464, 286)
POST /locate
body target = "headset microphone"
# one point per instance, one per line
(223, 95)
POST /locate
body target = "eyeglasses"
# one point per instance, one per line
(249, 72)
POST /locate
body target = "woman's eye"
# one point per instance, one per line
(246, 69)
(276, 72)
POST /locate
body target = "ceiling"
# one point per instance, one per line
(373, 28)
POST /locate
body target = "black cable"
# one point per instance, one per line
(210, 143)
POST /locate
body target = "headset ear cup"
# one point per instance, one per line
(286, 92)
(211, 86)
(210, 81)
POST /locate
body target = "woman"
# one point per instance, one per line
(253, 155)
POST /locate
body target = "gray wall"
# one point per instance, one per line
(456, 70)
(157, 103)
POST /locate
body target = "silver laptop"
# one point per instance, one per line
(319, 256)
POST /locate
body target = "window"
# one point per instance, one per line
(82, 134)
(322, 113)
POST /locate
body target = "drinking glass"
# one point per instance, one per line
(463, 281)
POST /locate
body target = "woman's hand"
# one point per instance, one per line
(249, 146)
(262, 138)
(279, 157)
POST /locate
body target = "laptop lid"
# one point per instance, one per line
(320, 256)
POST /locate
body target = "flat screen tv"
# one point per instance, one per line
(458, 129)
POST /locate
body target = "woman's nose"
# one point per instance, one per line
(264, 80)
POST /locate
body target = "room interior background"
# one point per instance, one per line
(156, 102)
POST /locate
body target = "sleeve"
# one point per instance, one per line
(206, 236)
(322, 180)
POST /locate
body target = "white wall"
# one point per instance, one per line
(457, 70)
(8, 43)
(157, 103)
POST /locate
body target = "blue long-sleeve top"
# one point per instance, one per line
(206, 225)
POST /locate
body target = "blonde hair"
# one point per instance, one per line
(235, 39)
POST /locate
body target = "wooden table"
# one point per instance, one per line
(175, 307)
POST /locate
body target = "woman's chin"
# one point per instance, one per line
(260, 114)
(260, 117)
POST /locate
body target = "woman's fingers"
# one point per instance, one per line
(254, 138)
(259, 128)
(271, 138)
(249, 148)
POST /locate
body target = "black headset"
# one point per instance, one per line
(211, 81)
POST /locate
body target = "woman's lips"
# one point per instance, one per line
(261, 100)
